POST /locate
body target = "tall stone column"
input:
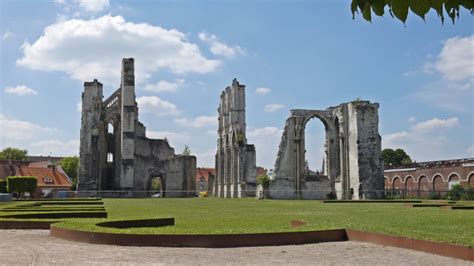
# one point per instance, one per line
(89, 170)
(128, 116)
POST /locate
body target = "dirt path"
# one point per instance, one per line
(37, 247)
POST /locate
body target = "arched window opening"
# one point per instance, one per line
(110, 128)
(110, 157)
(453, 180)
(315, 149)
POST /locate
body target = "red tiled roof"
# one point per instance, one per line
(261, 171)
(47, 176)
(204, 172)
(43, 174)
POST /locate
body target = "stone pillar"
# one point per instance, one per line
(129, 116)
(89, 170)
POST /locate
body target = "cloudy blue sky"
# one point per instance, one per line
(289, 54)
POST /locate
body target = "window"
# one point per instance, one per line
(110, 157)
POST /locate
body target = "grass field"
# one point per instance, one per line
(230, 216)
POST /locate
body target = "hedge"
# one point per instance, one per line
(21, 184)
(3, 186)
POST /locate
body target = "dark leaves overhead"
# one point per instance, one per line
(400, 8)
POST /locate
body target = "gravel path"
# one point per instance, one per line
(23, 247)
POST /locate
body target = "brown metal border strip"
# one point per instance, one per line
(6, 225)
(443, 249)
(204, 241)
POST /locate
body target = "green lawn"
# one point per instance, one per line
(216, 216)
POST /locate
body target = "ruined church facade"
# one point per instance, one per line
(116, 157)
(353, 167)
(235, 159)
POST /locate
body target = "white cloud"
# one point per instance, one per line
(435, 124)
(426, 140)
(198, 122)
(79, 106)
(93, 5)
(456, 60)
(37, 139)
(219, 48)
(447, 95)
(266, 140)
(412, 119)
(164, 86)
(7, 34)
(470, 150)
(205, 158)
(55, 147)
(89, 49)
(157, 106)
(20, 90)
(269, 108)
(14, 129)
(176, 139)
(262, 91)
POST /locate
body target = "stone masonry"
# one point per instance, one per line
(235, 159)
(353, 165)
(116, 157)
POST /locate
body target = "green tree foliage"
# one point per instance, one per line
(3, 186)
(263, 180)
(397, 156)
(70, 165)
(13, 154)
(457, 192)
(21, 184)
(401, 8)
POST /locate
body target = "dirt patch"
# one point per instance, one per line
(37, 247)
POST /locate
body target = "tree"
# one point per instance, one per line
(22, 184)
(263, 180)
(70, 165)
(186, 150)
(13, 154)
(401, 8)
(398, 156)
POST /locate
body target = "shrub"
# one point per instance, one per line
(3, 186)
(263, 180)
(331, 195)
(434, 196)
(455, 192)
(21, 184)
(468, 194)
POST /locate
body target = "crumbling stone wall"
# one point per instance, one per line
(354, 164)
(235, 159)
(116, 157)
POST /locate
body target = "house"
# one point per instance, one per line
(202, 178)
(51, 177)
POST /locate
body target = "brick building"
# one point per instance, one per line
(422, 179)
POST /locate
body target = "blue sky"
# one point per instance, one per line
(289, 54)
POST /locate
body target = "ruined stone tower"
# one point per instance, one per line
(235, 159)
(116, 157)
(353, 165)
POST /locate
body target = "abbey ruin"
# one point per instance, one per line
(235, 159)
(353, 165)
(116, 157)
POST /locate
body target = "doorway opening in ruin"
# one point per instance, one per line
(157, 187)
(110, 158)
(315, 150)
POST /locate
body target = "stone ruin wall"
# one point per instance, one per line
(121, 163)
(354, 164)
(235, 159)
